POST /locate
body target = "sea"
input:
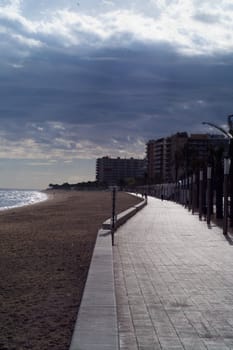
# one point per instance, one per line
(19, 198)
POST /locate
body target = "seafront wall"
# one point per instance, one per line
(96, 325)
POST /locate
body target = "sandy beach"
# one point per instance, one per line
(45, 252)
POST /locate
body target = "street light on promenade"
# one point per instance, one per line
(226, 133)
(228, 170)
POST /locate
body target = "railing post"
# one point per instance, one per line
(182, 191)
(193, 193)
(231, 179)
(190, 193)
(225, 192)
(200, 194)
(208, 217)
(185, 193)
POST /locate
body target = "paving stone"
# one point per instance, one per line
(174, 276)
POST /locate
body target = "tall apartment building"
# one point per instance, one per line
(199, 146)
(177, 155)
(162, 157)
(168, 159)
(113, 170)
(158, 160)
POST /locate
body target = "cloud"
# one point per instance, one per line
(77, 84)
(142, 92)
(108, 2)
(191, 27)
(206, 18)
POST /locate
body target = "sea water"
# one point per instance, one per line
(19, 198)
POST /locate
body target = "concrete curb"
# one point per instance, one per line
(96, 325)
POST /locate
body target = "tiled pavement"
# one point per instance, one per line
(174, 281)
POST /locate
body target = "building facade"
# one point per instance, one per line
(171, 158)
(114, 171)
(158, 160)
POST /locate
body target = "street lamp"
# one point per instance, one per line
(113, 213)
(228, 134)
(228, 169)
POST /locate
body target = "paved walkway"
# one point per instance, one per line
(174, 281)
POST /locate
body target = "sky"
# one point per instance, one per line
(85, 79)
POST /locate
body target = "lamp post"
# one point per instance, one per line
(113, 213)
(229, 168)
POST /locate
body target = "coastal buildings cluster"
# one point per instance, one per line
(116, 171)
(167, 160)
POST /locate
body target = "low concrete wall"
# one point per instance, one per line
(124, 216)
(96, 326)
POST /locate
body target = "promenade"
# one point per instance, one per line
(173, 280)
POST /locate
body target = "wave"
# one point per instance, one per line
(19, 198)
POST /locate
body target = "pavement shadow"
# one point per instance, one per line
(229, 238)
(107, 233)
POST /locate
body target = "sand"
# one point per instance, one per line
(45, 252)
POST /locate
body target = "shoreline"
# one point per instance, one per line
(22, 205)
(45, 252)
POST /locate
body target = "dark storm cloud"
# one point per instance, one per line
(81, 82)
(87, 89)
(156, 83)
